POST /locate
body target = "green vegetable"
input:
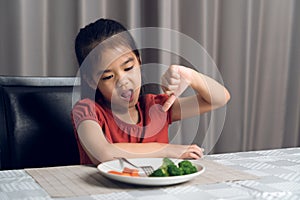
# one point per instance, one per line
(163, 169)
(173, 170)
(159, 173)
(168, 168)
(166, 163)
(185, 163)
(187, 167)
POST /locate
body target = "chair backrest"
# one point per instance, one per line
(35, 122)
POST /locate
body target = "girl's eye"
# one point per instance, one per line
(107, 77)
(128, 68)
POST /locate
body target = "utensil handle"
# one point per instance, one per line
(127, 161)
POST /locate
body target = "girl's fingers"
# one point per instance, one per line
(194, 151)
(194, 155)
(167, 82)
(168, 103)
(172, 88)
(169, 93)
(173, 85)
(173, 81)
(199, 151)
(171, 77)
(190, 155)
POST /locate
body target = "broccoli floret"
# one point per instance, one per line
(159, 173)
(185, 163)
(189, 170)
(166, 163)
(173, 170)
(163, 169)
(169, 168)
(187, 167)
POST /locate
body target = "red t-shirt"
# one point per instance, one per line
(152, 127)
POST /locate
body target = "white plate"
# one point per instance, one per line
(151, 181)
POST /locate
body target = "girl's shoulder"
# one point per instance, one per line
(87, 109)
(88, 103)
(85, 101)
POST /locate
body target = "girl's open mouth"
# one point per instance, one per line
(127, 95)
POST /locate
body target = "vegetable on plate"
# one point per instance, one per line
(169, 168)
(126, 172)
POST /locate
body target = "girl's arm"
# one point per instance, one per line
(210, 94)
(99, 149)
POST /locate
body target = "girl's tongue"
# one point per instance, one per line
(127, 95)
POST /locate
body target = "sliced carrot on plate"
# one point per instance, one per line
(129, 170)
(132, 172)
(119, 173)
(126, 172)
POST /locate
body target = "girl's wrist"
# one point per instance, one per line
(194, 81)
(172, 151)
(165, 150)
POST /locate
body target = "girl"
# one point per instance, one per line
(114, 119)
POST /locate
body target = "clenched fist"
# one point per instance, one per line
(174, 81)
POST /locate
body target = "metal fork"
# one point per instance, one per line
(146, 169)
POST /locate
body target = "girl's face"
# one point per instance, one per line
(119, 78)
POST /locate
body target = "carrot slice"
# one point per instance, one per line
(126, 172)
(135, 173)
(129, 170)
(119, 173)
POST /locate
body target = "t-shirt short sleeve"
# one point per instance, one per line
(85, 110)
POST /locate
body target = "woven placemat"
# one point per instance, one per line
(80, 180)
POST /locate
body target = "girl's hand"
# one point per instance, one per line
(174, 81)
(185, 151)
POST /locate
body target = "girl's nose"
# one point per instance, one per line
(122, 81)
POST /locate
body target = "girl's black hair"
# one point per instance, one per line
(95, 33)
(90, 37)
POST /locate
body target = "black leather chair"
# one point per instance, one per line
(35, 122)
